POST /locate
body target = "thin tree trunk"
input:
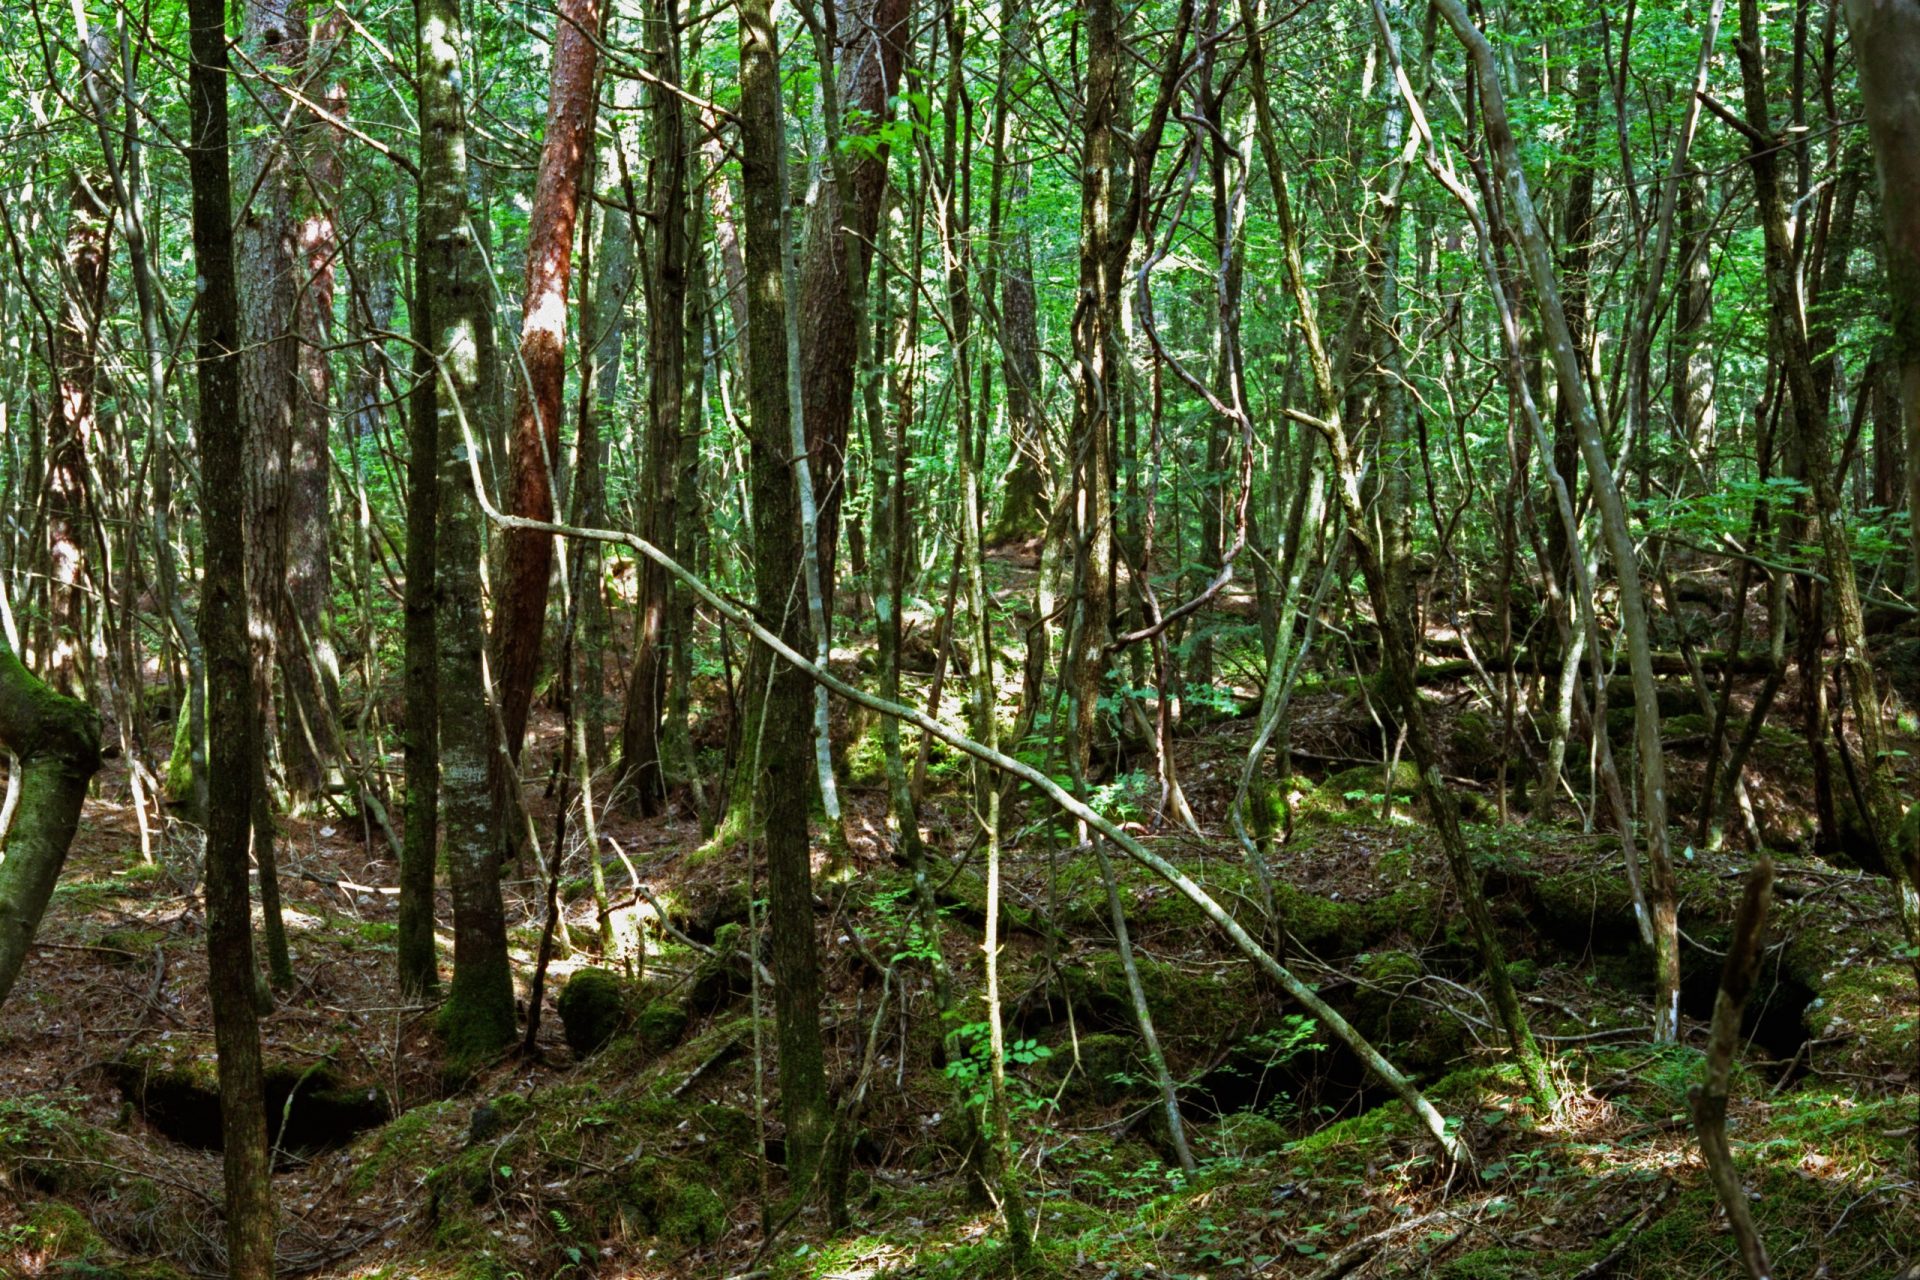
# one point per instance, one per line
(223, 628)
(418, 956)
(1538, 260)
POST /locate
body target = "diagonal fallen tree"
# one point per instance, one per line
(56, 741)
(1403, 1088)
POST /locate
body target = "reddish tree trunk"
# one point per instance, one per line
(543, 333)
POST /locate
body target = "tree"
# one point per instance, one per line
(70, 427)
(777, 754)
(477, 1019)
(518, 627)
(667, 288)
(1886, 48)
(231, 726)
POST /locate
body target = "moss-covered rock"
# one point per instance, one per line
(1330, 927)
(593, 1009)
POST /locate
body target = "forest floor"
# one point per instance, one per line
(649, 1157)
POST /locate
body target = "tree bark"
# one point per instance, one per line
(1886, 50)
(418, 954)
(873, 42)
(521, 613)
(478, 1017)
(275, 40)
(56, 743)
(309, 668)
(76, 341)
(780, 778)
(223, 631)
(641, 767)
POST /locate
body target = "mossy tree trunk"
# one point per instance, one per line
(56, 740)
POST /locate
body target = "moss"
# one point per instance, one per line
(59, 1230)
(178, 781)
(1248, 1133)
(1416, 1040)
(1357, 1135)
(477, 1021)
(660, 1025)
(1330, 927)
(1524, 974)
(89, 1270)
(406, 1142)
(1364, 784)
(722, 972)
(593, 1009)
(1106, 1072)
(138, 944)
(49, 1147)
(1266, 808)
(1474, 745)
(673, 1205)
(1492, 1264)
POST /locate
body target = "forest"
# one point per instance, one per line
(1127, 640)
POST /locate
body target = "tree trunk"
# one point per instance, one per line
(666, 353)
(418, 955)
(76, 342)
(1023, 510)
(275, 41)
(780, 775)
(55, 742)
(478, 1018)
(521, 612)
(310, 671)
(223, 631)
(1886, 49)
(873, 42)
